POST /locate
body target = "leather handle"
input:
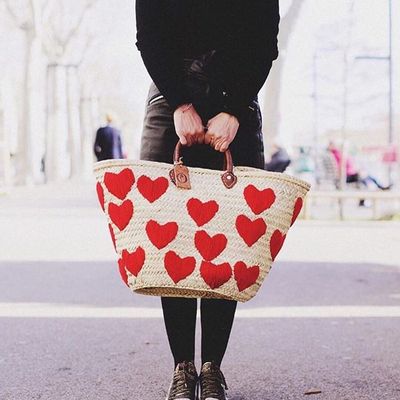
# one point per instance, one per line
(229, 179)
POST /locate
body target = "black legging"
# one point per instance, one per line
(216, 324)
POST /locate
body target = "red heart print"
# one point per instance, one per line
(121, 214)
(250, 231)
(259, 200)
(276, 243)
(215, 275)
(119, 184)
(298, 205)
(100, 194)
(245, 276)
(134, 261)
(200, 212)
(152, 189)
(112, 236)
(161, 235)
(122, 271)
(178, 268)
(209, 246)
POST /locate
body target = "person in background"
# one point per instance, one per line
(280, 159)
(353, 175)
(108, 143)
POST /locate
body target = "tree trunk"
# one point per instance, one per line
(25, 165)
(89, 124)
(57, 162)
(5, 171)
(74, 133)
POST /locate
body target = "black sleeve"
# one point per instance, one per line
(244, 64)
(159, 52)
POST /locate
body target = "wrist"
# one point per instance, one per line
(230, 115)
(184, 107)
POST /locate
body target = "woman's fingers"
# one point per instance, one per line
(224, 147)
(214, 141)
(189, 139)
(200, 138)
(208, 138)
(183, 140)
(188, 125)
(221, 145)
(221, 131)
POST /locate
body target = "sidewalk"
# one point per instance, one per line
(64, 222)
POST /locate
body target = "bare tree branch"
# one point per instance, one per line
(56, 37)
(55, 44)
(76, 28)
(44, 6)
(12, 14)
(33, 15)
(89, 41)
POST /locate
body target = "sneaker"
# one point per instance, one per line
(212, 382)
(184, 382)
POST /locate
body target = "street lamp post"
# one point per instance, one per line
(389, 60)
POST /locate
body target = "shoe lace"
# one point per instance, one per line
(213, 384)
(182, 383)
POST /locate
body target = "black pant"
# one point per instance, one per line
(180, 322)
(158, 142)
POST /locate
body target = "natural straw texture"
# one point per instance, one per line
(251, 221)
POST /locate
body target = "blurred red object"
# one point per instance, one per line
(390, 155)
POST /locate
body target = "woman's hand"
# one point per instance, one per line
(221, 130)
(188, 125)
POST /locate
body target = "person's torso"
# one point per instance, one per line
(203, 25)
(111, 141)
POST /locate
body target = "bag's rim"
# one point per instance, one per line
(255, 172)
(189, 292)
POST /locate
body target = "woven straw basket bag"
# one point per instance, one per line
(194, 232)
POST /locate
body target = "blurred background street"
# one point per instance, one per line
(325, 324)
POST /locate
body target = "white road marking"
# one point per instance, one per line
(59, 310)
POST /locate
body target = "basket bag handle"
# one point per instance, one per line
(180, 174)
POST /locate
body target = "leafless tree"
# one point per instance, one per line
(26, 16)
(66, 39)
(54, 28)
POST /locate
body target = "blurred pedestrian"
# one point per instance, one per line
(208, 60)
(108, 142)
(353, 174)
(280, 159)
(304, 162)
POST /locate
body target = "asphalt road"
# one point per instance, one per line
(86, 356)
(327, 319)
